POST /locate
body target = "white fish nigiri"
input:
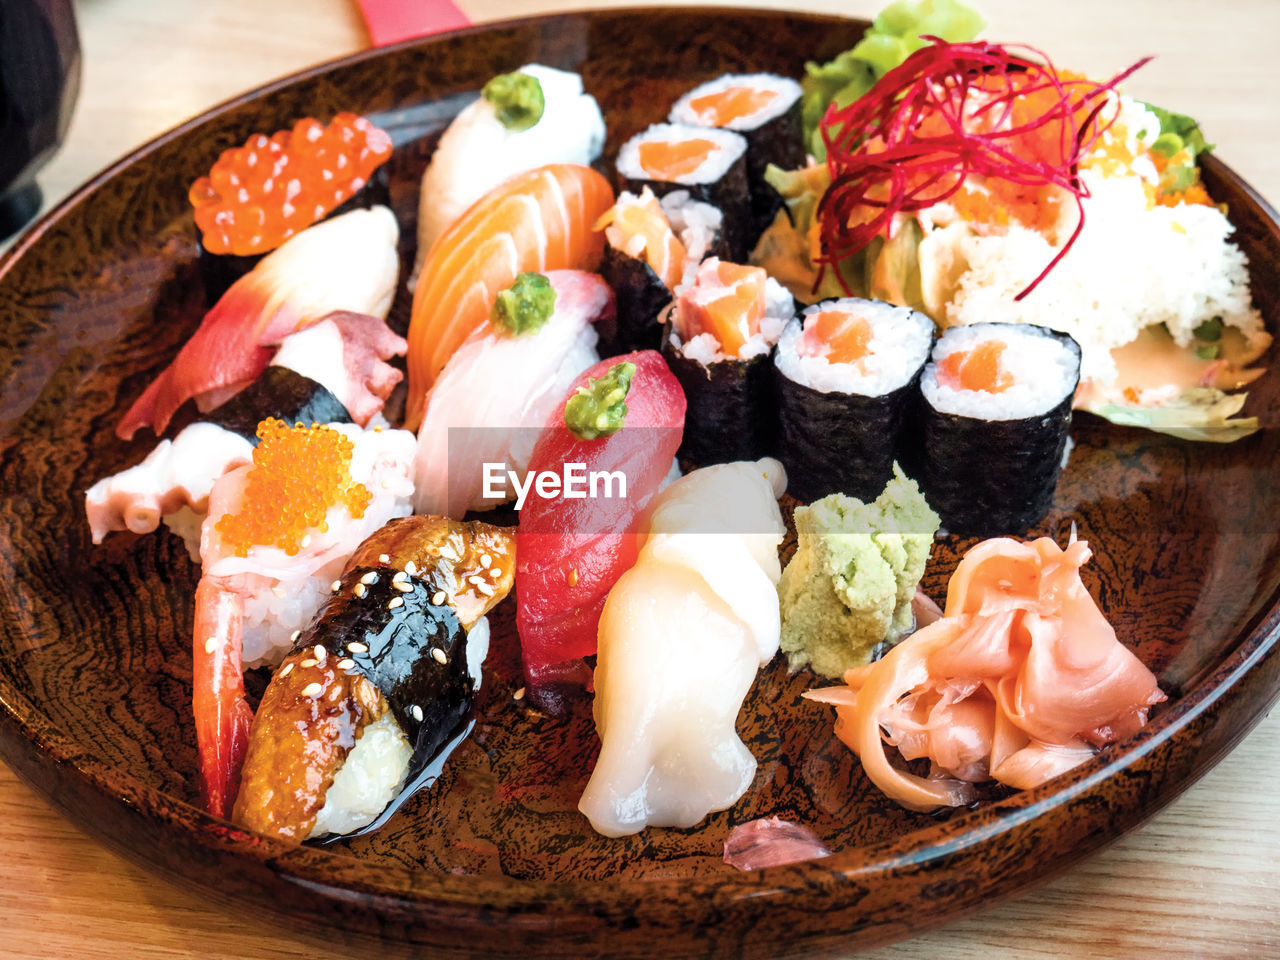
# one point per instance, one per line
(476, 152)
(497, 392)
(681, 638)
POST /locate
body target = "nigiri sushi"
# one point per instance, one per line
(682, 635)
(1020, 680)
(278, 533)
(348, 263)
(537, 221)
(528, 118)
(331, 372)
(377, 690)
(501, 386)
(572, 551)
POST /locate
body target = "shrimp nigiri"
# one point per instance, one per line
(538, 221)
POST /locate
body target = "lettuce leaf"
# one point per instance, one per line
(1201, 413)
(893, 36)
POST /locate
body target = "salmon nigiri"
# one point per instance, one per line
(534, 222)
(1021, 680)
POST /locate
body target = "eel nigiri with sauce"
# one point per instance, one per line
(377, 691)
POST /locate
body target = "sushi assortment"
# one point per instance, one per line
(647, 330)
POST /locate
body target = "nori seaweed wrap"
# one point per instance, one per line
(994, 413)
(764, 108)
(281, 393)
(847, 373)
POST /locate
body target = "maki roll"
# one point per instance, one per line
(649, 245)
(846, 377)
(719, 335)
(996, 405)
(377, 692)
(708, 163)
(258, 195)
(763, 107)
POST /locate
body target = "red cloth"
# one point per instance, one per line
(390, 21)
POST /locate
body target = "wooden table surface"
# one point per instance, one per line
(1200, 879)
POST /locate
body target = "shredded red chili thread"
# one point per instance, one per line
(950, 111)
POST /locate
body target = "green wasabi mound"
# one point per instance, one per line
(849, 585)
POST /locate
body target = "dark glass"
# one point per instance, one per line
(39, 81)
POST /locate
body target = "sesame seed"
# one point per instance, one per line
(410, 567)
(439, 598)
(370, 578)
(278, 591)
(312, 690)
(309, 662)
(211, 645)
(359, 590)
(400, 577)
(384, 558)
(335, 586)
(346, 663)
(306, 541)
(287, 669)
(477, 580)
(485, 560)
(395, 602)
(293, 637)
(439, 655)
(495, 572)
(321, 652)
(404, 586)
(417, 712)
(356, 646)
(518, 695)
(485, 589)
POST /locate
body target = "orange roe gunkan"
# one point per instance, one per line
(260, 194)
(298, 473)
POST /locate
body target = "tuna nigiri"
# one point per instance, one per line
(572, 551)
(1020, 681)
(538, 221)
(347, 263)
(501, 387)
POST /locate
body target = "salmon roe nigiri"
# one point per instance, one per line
(837, 335)
(671, 159)
(977, 369)
(260, 194)
(727, 301)
(721, 108)
(298, 473)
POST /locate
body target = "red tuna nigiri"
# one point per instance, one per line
(534, 222)
(571, 551)
(348, 263)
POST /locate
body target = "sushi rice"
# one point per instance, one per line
(785, 93)
(729, 148)
(779, 306)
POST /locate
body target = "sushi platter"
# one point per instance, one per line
(336, 630)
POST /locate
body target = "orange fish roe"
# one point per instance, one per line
(976, 369)
(298, 473)
(260, 194)
(727, 105)
(670, 159)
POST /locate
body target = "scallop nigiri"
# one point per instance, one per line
(347, 263)
(681, 638)
(500, 388)
(538, 221)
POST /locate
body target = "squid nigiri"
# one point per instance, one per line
(278, 533)
(572, 551)
(538, 221)
(682, 635)
(1020, 680)
(348, 263)
(377, 691)
(331, 372)
(502, 385)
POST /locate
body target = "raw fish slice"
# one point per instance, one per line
(573, 551)
(682, 635)
(347, 263)
(476, 152)
(497, 390)
(537, 221)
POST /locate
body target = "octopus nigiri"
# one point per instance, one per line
(378, 689)
(681, 638)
